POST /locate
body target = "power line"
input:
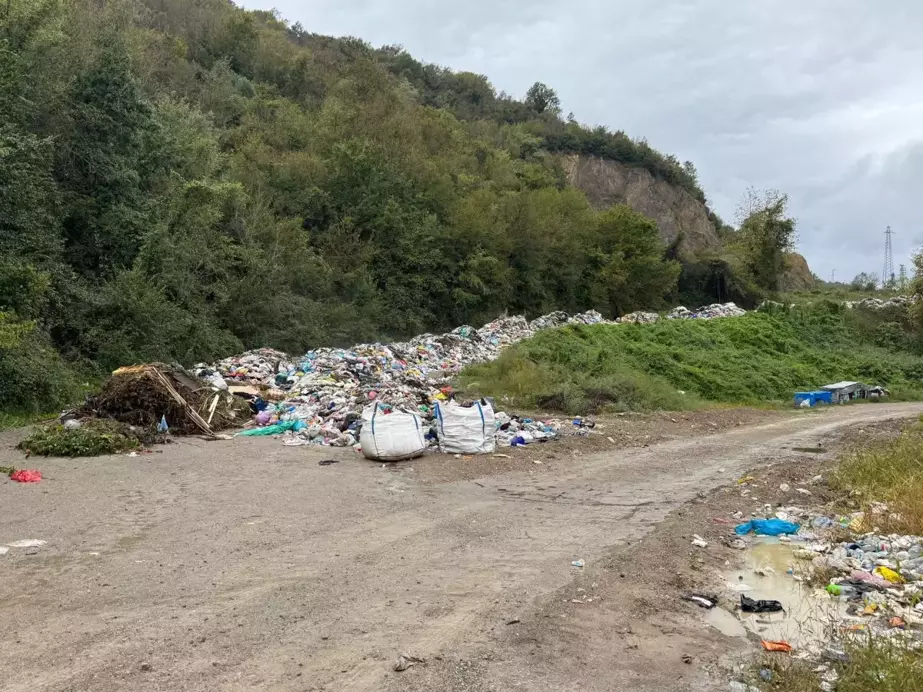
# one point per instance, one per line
(887, 275)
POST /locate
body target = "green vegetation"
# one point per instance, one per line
(891, 473)
(20, 420)
(92, 438)
(751, 359)
(180, 181)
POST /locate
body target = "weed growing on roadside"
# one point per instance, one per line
(891, 473)
(92, 438)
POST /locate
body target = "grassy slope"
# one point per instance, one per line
(751, 359)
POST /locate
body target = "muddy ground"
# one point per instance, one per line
(247, 565)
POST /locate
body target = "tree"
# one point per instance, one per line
(767, 234)
(541, 98)
(864, 281)
(902, 281)
(627, 269)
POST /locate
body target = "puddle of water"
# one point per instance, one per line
(810, 615)
(727, 623)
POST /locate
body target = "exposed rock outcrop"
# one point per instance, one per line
(797, 276)
(676, 212)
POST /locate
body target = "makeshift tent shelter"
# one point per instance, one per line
(846, 391)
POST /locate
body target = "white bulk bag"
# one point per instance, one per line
(391, 436)
(464, 430)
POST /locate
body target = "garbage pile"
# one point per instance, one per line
(873, 580)
(708, 312)
(639, 317)
(880, 576)
(879, 304)
(320, 396)
(164, 397)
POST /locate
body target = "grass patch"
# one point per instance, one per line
(891, 473)
(92, 438)
(873, 663)
(20, 420)
(682, 364)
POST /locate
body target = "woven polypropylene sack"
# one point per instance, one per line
(391, 436)
(466, 429)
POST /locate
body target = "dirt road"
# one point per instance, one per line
(246, 565)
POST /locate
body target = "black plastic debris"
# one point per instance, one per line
(749, 605)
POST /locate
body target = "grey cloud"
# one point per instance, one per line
(822, 99)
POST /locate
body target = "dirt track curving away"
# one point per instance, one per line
(245, 565)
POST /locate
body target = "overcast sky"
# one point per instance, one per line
(822, 99)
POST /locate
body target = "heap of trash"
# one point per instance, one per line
(707, 312)
(879, 576)
(320, 398)
(162, 397)
(879, 304)
(323, 397)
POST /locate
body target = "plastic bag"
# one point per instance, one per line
(766, 527)
(23, 476)
(280, 427)
(749, 605)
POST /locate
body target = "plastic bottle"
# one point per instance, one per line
(840, 589)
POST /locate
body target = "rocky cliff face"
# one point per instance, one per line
(797, 276)
(676, 211)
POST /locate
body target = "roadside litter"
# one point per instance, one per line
(783, 647)
(766, 527)
(707, 601)
(27, 543)
(748, 605)
(328, 388)
(405, 661)
(24, 476)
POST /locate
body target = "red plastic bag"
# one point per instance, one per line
(23, 476)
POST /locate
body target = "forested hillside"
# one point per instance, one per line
(181, 179)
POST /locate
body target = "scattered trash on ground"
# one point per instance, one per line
(706, 601)
(405, 661)
(784, 647)
(749, 605)
(25, 476)
(327, 389)
(766, 527)
(27, 543)
(328, 462)
(578, 563)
